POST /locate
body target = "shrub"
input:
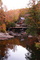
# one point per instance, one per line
(10, 24)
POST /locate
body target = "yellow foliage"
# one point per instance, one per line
(3, 28)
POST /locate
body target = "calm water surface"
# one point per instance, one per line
(17, 49)
(13, 49)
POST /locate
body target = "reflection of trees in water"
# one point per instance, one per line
(4, 50)
(14, 48)
(11, 46)
(30, 56)
(4, 45)
(8, 48)
(33, 54)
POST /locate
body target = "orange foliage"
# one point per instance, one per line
(3, 28)
(2, 16)
(13, 15)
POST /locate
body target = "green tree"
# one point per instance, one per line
(10, 24)
(33, 19)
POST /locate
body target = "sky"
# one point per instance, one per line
(15, 4)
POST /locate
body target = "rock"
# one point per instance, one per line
(11, 33)
(4, 36)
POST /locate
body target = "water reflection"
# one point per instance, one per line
(12, 50)
(18, 54)
(33, 54)
(15, 49)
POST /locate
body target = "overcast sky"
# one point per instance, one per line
(15, 4)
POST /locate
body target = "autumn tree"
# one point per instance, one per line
(33, 18)
(2, 18)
